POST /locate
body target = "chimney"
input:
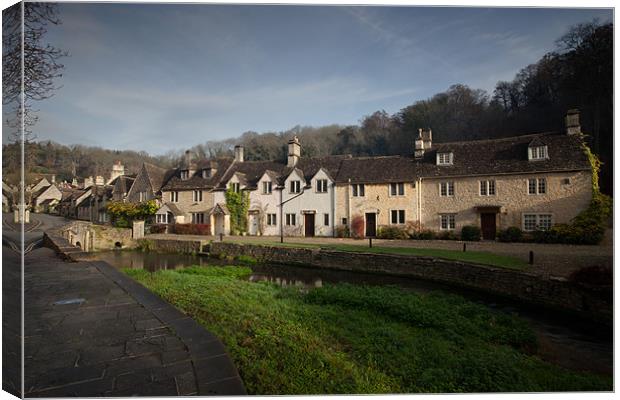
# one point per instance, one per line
(572, 122)
(53, 178)
(423, 142)
(238, 153)
(74, 182)
(188, 159)
(88, 182)
(294, 152)
(118, 169)
(99, 180)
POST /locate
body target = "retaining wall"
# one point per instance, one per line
(592, 302)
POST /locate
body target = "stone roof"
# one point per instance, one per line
(251, 172)
(157, 176)
(377, 170)
(504, 156)
(196, 181)
(311, 165)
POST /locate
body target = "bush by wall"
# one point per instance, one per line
(157, 228)
(447, 235)
(392, 232)
(425, 234)
(470, 233)
(593, 275)
(191, 229)
(342, 231)
(511, 234)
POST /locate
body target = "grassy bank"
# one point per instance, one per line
(477, 257)
(354, 339)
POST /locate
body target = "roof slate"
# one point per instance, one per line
(174, 182)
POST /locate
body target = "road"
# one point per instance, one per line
(33, 232)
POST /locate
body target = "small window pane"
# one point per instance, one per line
(532, 186)
(326, 219)
(542, 186)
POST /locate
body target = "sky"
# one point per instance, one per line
(161, 77)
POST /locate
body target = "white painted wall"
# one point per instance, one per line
(267, 204)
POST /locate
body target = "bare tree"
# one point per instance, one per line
(41, 65)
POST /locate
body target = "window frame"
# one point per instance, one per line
(197, 195)
(174, 196)
(487, 188)
(291, 219)
(395, 217)
(537, 184)
(358, 190)
(445, 158)
(450, 221)
(272, 219)
(397, 189)
(321, 186)
(450, 189)
(538, 153)
(294, 186)
(538, 216)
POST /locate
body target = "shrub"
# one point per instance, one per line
(191, 229)
(145, 245)
(511, 234)
(425, 234)
(593, 275)
(342, 231)
(158, 228)
(470, 233)
(447, 235)
(392, 232)
(412, 229)
(357, 227)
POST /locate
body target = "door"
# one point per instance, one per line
(253, 224)
(488, 226)
(309, 224)
(371, 224)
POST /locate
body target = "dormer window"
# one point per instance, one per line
(537, 153)
(185, 174)
(267, 188)
(235, 187)
(206, 173)
(444, 158)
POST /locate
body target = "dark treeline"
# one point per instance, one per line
(577, 74)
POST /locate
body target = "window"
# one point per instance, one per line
(321, 185)
(161, 218)
(326, 219)
(447, 221)
(444, 158)
(487, 188)
(358, 190)
(184, 174)
(197, 195)
(198, 218)
(537, 153)
(291, 220)
(397, 189)
(174, 197)
(271, 219)
(446, 189)
(537, 186)
(344, 221)
(398, 217)
(566, 181)
(206, 173)
(266, 187)
(142, 196)
(532, 222)
(295, 187)
(234, 186)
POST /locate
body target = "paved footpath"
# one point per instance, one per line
(92, 331)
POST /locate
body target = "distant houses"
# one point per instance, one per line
(532, 182)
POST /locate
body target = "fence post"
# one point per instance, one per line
(370, 242)
(531, 257)
(464, 247)
(221, 237)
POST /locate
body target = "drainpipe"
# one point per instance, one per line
(349, 204)
(420, 202)
(333, 221)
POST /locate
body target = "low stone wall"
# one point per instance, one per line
(591, 302)
(176, 246)
(92, 237)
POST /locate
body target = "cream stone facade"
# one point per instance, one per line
(264, 216)
(566, 194)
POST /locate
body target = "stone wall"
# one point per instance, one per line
(91, 237)
(177, 246)
(557, 293)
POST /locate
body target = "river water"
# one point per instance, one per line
(563, 339)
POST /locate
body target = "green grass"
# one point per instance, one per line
(356, 339)
(477, 257)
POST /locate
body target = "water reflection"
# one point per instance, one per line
(150, 261)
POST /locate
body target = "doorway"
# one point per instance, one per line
(488, 226)
(371, 224)
(309, 225)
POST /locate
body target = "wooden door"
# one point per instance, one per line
(488, 226)
(371, 224)
(309, 224)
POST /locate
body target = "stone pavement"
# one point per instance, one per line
(93, 331)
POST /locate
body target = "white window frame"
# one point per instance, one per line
(450, 220)
(445, 158)
(267, 187)
(291, 219)
(294, 187)
(174, 196)
(321, 186)
(326, 219)
(358, 190)
(397, 189)
(538, 217)
(235, 187)
(537, 153)
(539, 183)
(184, 175)
(398, 220)
(197, 195)
(449, 189)
(272, 220)
(487, 188)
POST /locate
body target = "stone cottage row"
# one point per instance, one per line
(530, 181)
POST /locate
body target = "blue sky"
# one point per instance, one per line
(158, 77)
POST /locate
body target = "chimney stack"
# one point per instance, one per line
(118, 169)
(423, 142)
(294, 152)
(572, 122)
(238, 153)
(53, 178)
(88, 182)
(99, 180)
